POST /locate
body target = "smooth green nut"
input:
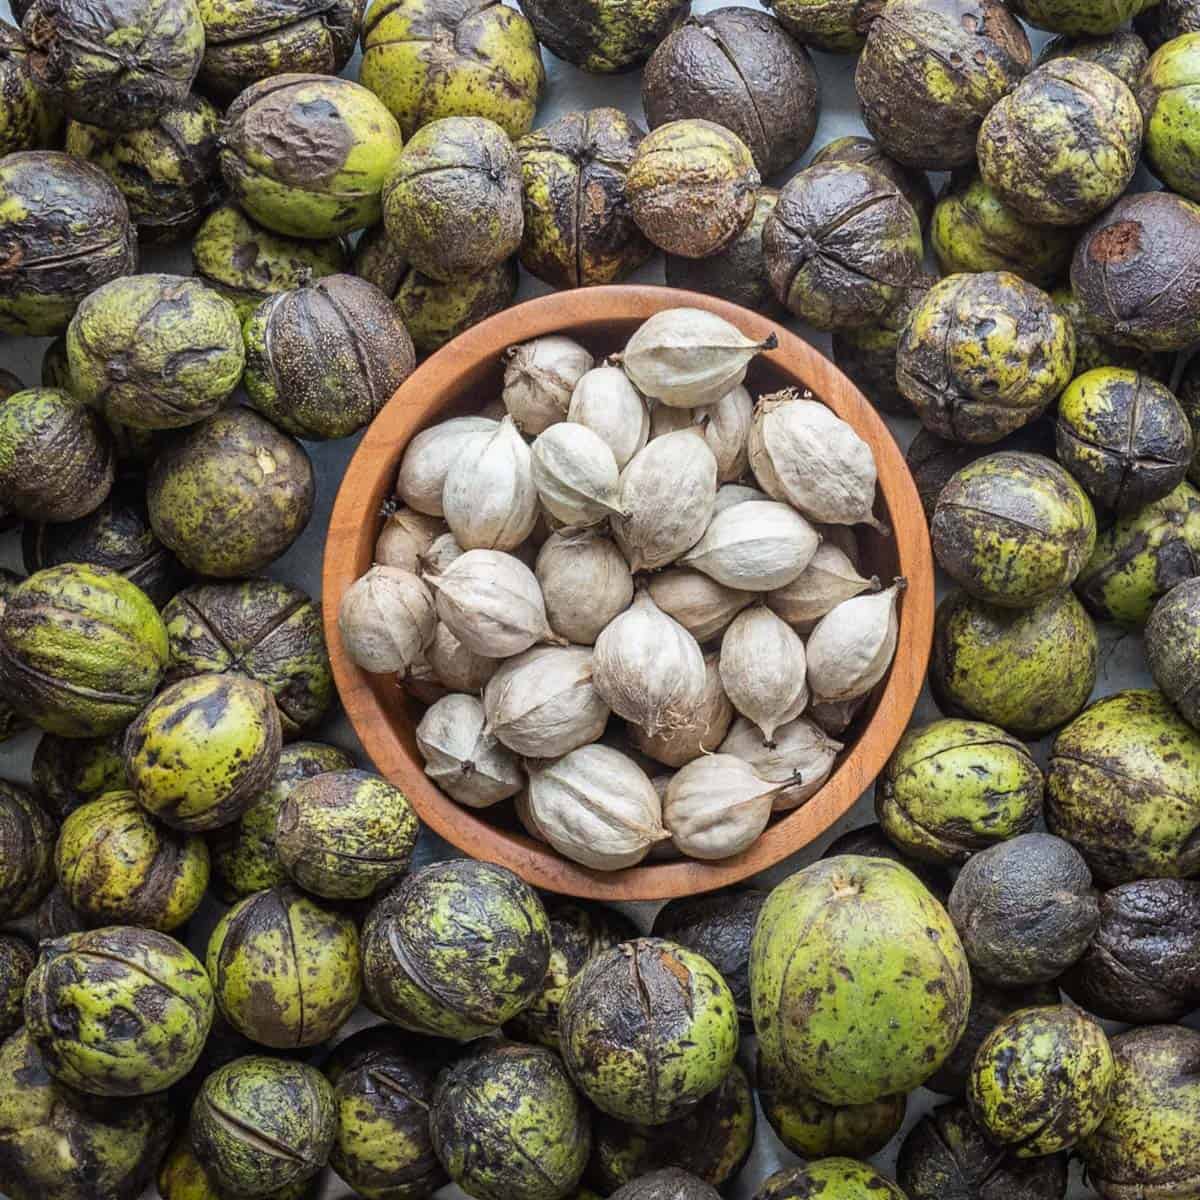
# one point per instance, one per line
(829, 1179)
(119, 1011)
(1123, 53)
(1041, 1081)
(82, 650)
(1169, 93)
(29, 119)
(455, 950)
(118, 866)
(604, 36)
(1080, 16)
(1142, 556)
(199, 753)
(183, 1177)
(247, 263)
(68, 772)
(954, 787)
(1013, 529)
(16, 963)
(508, 1124)
(59, 1144)
(1026, 671)
(155, 351)
(1123, 787)
(1172, 641)
(286, 972)
(648, 1029)
(983, 355)
(262, 1124)
(426, 59)
(973, 230)
(859, 981)
(1092, 350)
(27, 833)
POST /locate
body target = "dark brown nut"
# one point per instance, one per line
(1092, 350)
(31, 118)
(1123, 53)
(604, 36)
(914, 185)
(1167, 20)
(27, 834)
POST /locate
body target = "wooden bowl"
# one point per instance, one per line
(462, 378)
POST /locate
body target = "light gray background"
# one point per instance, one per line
(1122, 661)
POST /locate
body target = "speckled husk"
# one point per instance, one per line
(452, 204)
(1041, 1081)
(579, 229)
(1013, 529)
(16, 962)
(604, 36)
(167, 172)
(947, 1156)
(27, 833)
(68, 772)
(1142, 557)
(56, 457)
(268, 630)
(118, 866)
(64, 231)
(955, 787)
(260, 1124)
(307, 155)
(857, 944)
(1143, 965)
(1028, 672)
(1123, 787)
(247, 263)
(429, 59)
(249, 41)
(1123, 53)
(914, 185)
(1124, 436)
(841, 246)
(508, 1125)
(829, 1179)
(1147, 1147)
(322, 361)
(1172, 642)
(813, 1129)
(835, 26)
(1079, 16)
(11, 722)
(578, 932)
(648, 1029)
(244, 853)
(711, 1140)
(231, 494)
(200, 752)
(1167, 93)
(29, 119)
(982, 355)
(285, 970)
(737, 67)
(383, 1081)
(1063, 145)
(455, 950)
(869, 841)
(929, 73)
(974, 230)
(1136, 272)
(118, 1011)
(1166, 20)
(81, 650)
(59, 1144)
(183, 1177)
(668, 1184)
(692, 187)
(155, 351)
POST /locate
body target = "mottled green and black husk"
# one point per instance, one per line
(30, 119)
(1172, 642)
(667, 1184)
(1123, 53)
(869, 841)
(27, 836)
(914, 185)
(68, 772)
(600, 36)
(826, 1178)
(16, 962)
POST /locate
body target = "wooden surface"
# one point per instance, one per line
(465, 376)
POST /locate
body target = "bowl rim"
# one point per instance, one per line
(368, 480)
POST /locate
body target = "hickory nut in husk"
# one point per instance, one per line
(27, 833)
(508, 1124)
(738, 68)
(119, 1011)
(82, 650)
(1123, 53)
(668, 1184)
(119, 67)
(1124, 788)
(455, 950)
(604, 36)
(983, 355)
(16, 962)
(841, 245)
(183, 1177)
(322, 361)
(829, 1177)
(826, 942)
(231, 494)
(285, 971)
(929, 73)
(1172, 641)
(429, 59)
(914, 184)
(118, 866)
(1164, 21)
(1070, 16)
(1167, 94)
(692, 187)
(835, 26)
(202, 749)
(11, 721)
(30, 119)
(1041, 1081)
(579, 228)
(955, 787)
(307, 155)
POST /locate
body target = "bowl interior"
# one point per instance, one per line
(462, 379)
